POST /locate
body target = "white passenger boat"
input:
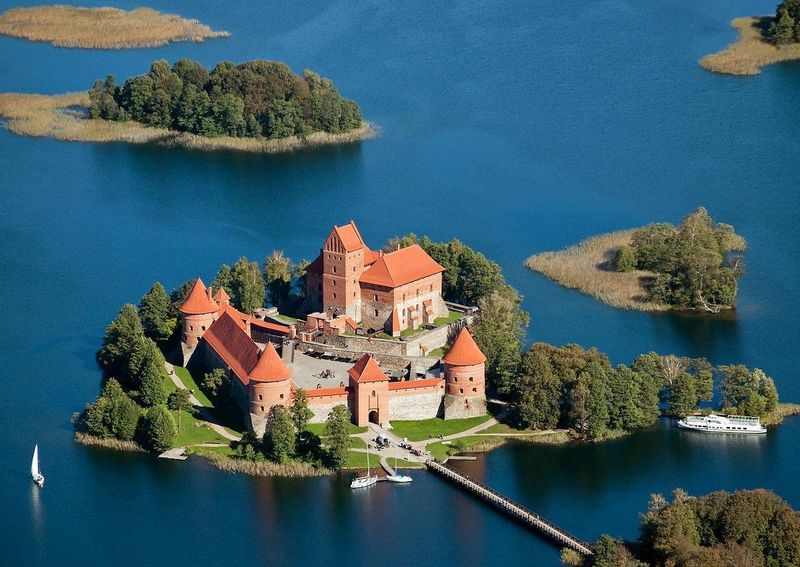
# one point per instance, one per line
(723, 424)
(36, 473)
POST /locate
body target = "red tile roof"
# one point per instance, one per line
(411, 384)
(270, 367)
(198, 302)
(270, 326)
(367, 370)
(350, 237)
(401, 267)
(221, 296)
(317, 392)
(464, 351)
(371, 256)
(233, 346)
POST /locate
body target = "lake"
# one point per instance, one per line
(516, 127)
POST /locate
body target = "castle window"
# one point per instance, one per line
(470, 379)
(281, 396)
(373, 393)
(354, 268)
(455, 378)
(431, 287)
(475, 390)
(354, 294)
(334, 295)
(404, 297)
(375, 297)
(262, 408)
(334, 269)
(203, 327)
(376, 313)
(260, 397)
(191, 328)
(461, 390)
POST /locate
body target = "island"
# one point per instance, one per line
(102, 28)
(694, 267)
(257, 106)
(746, 527)
(762, 41)
(403, 341)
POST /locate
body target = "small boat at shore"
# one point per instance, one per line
(398, 478)
(741, 424)
(36, 473)
(364, 481)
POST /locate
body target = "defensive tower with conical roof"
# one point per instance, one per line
(198, 312)
(464, 376)
(369, 390)
(269, 385)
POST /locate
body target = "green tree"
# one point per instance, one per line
(337, 432)
(537, 391)
(782, 28)
(227, 112)
(247, 286)
(299, 411)
(216, 383)
(148, 373)
(278, 278)
(499, 332)
(154, 313)
(159, 433)
(283, 120)
(179, 401)
(122, 413)
(747, 392)
(119, 337)
(95, 417)
(625, 259)
(280, 435)
(224, 280)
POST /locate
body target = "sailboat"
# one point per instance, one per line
(398, 477)
(36, 474)
(364, 481)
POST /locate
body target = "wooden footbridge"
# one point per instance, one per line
(517, 511)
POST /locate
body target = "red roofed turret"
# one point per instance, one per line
(199, 301)
(367, 370)
(464, 351)
(222, 296)
(270, 367)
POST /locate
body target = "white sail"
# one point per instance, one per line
(35, 463)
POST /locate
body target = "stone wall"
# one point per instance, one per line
(415, 403)
(323, 405)
(457, 407)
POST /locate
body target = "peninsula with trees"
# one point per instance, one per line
(763, 40)
(693, 267)
(102, 28)
(257, 106)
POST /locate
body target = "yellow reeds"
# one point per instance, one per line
(587, 268)
(109, 443)
(66, 117)
(102, 28)
(751, 51)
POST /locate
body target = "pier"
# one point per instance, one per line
(517, 511)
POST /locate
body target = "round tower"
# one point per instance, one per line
(464, 376)
(270, 385)
(197, 313)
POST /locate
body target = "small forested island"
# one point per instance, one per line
(693, 267)
(102, 28)
(762, 41)
(721, 529)
(257, 106)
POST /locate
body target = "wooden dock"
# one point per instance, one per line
(517, 511)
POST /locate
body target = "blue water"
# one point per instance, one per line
(516, 127)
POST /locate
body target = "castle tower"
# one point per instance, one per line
(269, 386)
(342, 265)
(197, 313)
(370, 390)
(464, 376)
(222, 297)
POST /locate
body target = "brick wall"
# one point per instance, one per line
(413, 403)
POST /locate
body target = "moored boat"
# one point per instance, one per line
(36, 473)
(742, 424)
(364, 481)
(398, 478)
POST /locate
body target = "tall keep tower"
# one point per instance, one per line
(464, 376)
(342, 265)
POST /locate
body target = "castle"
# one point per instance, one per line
(351, 284)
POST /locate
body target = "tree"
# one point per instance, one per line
(278, 278)
(179, 400)
(625, 259)
(299, 411)
(782, 28)
(148, 373)
(122, 415)
(216, 383)
(536, 393)
(154, 313)
(119, 337)
(280, 435)
(95, 417)
(337, 432)
(247, 286)
(283, 120)
(227, 112)
(747, 392)
(224, 279)
(159, 432)
(499, 332)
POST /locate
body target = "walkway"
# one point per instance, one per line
(204, 414)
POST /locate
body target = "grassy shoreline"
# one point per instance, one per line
(585, 267)
(751, 51)
(110, 443)
(65, 117)
(102, 28)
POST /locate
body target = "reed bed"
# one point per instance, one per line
(102, 28)
(66, 117)
(751, 51)
(783, 410)
(117, 444)
(296, 469)
(586, 267)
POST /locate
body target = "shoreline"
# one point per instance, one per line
(108, 443)
(582, 267)
(751, 51)
(75, 27)
(64, 117)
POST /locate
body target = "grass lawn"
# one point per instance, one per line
(190, 384)
(194, 431)
(426, 428)
(503, 428)
(464, 445)
(438, 352)
(358, 460)
(227, 451)
(396, 463)
(358, 443)
(286, 318)
(452, 316)
(411, 332)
